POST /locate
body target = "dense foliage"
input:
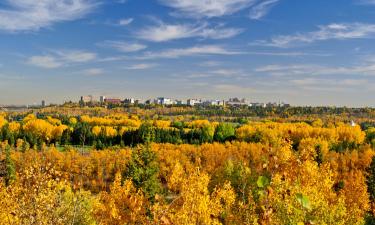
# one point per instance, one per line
(128, 169)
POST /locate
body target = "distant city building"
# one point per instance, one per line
(102, 99)
(129, 101)
(43, 103)
(113, 101)
(284, 105)
(236, 102)
(272, 104)
(87, 99)
(163, 101)
(213, 103)
(257, 104)
(193, 102)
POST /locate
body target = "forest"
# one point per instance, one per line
(168, 166)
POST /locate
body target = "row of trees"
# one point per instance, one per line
(102, 132)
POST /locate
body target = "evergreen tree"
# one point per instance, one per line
(224, 132)
(143, 170)
(10, 168)
(371, 179)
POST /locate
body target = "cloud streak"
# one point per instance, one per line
(260, 10)
(163, 32)
(123, 46)
(367, 69)
(60, 58)
(335, 31)
(192, 51)
(125, 22)
(141, 66)
(207, 8)
(31, 15)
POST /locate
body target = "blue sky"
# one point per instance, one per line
(304, 52)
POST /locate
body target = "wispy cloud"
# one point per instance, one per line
(141, 66)
(209, 63)
(48, 62)
(59, 58)
(325, 82)
(75, 56)
(366, 2)
(192, 51)
(93, 72)
(224, 73)
(288, 54)
(335, 31)
(125, 22)
(260, 10)
(367, 69)
(165, 32)
(218, 8)
(123, 46)
(31, 15)
(207, 8)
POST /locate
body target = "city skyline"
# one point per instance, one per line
(299, 52)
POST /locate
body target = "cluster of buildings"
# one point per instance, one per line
(235, 102)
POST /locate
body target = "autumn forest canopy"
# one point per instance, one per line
(171, 165)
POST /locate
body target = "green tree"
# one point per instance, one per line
(146, 132)
(371, 180)
(143, 170)
(10, 168)
(224, 132)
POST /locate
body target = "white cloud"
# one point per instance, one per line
(48, 62)
(260, 10)
(61, 58)
(192, 51)
(366, 2)
(93, 71)
(207, 8)
(209, 64)
(289, 54)
(165, 32)
(217, 8)
(367, 69)
(335, 31)
(75, 56)
(125, 22)
(227, 72)
(141, 66)
(329, 82)
(123, 46)
(26, 15)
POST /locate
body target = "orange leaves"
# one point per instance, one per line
(120, 120)
(122, 205)
(195, 205)
(58, 131)
(14, 127)
(40, 128)
(3, 121)
(107, 131)
(162, 123)
(96, 130)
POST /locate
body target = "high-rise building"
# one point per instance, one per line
(102, 99)
(43, 103)
(87, 99)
